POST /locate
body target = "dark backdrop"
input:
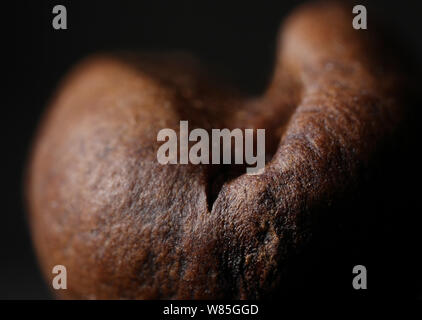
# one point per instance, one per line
(238, 37)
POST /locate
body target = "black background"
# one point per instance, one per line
(237, 37)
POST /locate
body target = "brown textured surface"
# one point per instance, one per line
(128, 227)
